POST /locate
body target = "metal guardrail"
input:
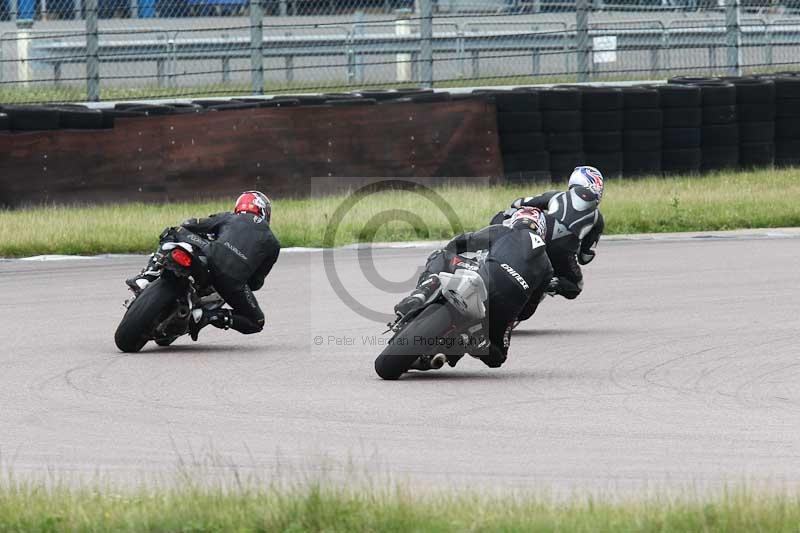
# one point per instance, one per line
(466, 42)
(403, 46)
(157, 49)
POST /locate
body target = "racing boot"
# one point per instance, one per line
(219, 318)
(429, 362)
(475, 341)
(417, 299)
(148, 275)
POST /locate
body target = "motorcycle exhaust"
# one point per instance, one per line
(181, 313)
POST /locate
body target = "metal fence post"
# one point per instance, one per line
(23, 48)
(92, 55)
(257, 46)
(426, 42)
(402, 26)
(733, 33)
(358, 31)
(654, 53)
(582, 38)
(768, 44)
(712, 60)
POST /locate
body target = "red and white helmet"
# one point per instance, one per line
(530, 217)
(256, 203)
(588, 177)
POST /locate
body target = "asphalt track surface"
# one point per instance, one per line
(677, 367)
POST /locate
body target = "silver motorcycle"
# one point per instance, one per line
(449, 325)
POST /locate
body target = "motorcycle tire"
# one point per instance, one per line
(142, 315)
(404, 349)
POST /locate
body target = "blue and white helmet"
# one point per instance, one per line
(588, 177)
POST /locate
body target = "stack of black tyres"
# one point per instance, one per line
(602, 129)
(720, 126)
(351, 101)
(787, 120)
(720, 132)
(41, 118)
(755, 106)
(379, 95)
(421, 98)
(79, 117)
(563, 128)
(522, 143)
(641, 138)
(681, 131)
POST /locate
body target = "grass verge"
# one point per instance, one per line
(717, 202)
(77, 93)
(33, 508)
(48, 92)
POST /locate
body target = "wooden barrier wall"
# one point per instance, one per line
(279, 150)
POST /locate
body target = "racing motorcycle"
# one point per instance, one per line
(448, 325)
(182, 292)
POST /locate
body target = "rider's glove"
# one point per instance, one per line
(564, 287)
(585, 256)
(519, 202)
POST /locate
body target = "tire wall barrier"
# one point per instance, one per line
(289, 146)
(787, 120)
(687, 126)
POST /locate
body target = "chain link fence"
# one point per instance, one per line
(74, 50)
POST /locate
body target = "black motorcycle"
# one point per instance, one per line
(182, 292)
(449, 325)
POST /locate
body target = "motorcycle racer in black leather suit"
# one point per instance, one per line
(241, 249)
(574, 227)
(514, 267)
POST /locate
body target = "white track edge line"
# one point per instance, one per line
(766, 233)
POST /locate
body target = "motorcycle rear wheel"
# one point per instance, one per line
(410, 343)
(143, 314)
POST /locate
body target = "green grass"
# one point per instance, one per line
(39, 92)
(724, 201)
(32, 507)
(77, 93)
(36, 93)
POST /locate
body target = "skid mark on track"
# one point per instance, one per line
(90, 380)
(776, 386)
